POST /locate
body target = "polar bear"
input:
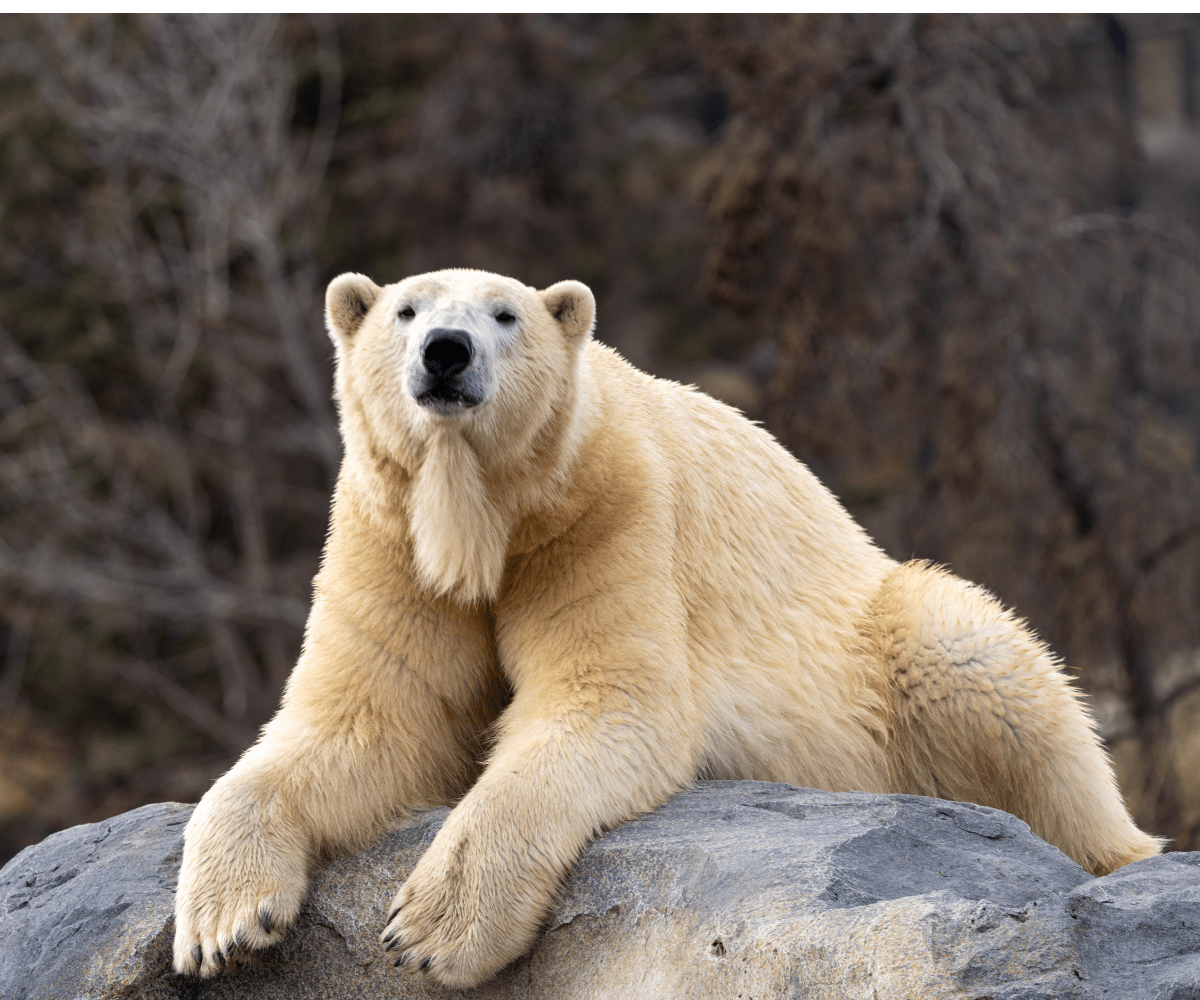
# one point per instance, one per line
(556, 591)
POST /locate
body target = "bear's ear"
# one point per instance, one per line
(572, 304)
(348, 299)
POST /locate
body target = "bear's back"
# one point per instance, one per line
(733, 485)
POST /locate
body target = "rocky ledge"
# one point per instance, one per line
(731, 889)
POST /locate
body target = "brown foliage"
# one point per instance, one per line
(169, 442)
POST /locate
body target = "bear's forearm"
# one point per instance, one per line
(556, 780)
(372, 696)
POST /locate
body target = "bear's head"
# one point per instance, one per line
(464, 385)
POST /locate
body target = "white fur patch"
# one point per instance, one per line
(459, 536)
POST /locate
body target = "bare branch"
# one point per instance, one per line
(195, 710)
(152, 592)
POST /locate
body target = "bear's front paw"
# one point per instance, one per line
(462, 915)
(238, 890)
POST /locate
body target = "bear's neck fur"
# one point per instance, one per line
(463, 514)
(459, 533)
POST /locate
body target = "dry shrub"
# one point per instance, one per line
(168, 438)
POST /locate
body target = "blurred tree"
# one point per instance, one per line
(169, 439)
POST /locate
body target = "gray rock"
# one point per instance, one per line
(90, 911)
(731, 889)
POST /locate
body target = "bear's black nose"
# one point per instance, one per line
(447, 352)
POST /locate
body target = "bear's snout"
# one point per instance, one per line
(447, 352)
(449, 378)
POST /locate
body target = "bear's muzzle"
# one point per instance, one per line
(449, 381)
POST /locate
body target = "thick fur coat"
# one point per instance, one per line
(557, 590)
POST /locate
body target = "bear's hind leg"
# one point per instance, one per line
(981, 712)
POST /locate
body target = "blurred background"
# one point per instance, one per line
(951, 262)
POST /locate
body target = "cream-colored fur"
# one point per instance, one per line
(656, 588)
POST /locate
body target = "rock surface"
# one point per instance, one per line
(731, 889)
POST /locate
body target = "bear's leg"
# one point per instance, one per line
(982, 713)
(363, 734)
(601, 728)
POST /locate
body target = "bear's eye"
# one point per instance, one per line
(505, 317)
(408, 312)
